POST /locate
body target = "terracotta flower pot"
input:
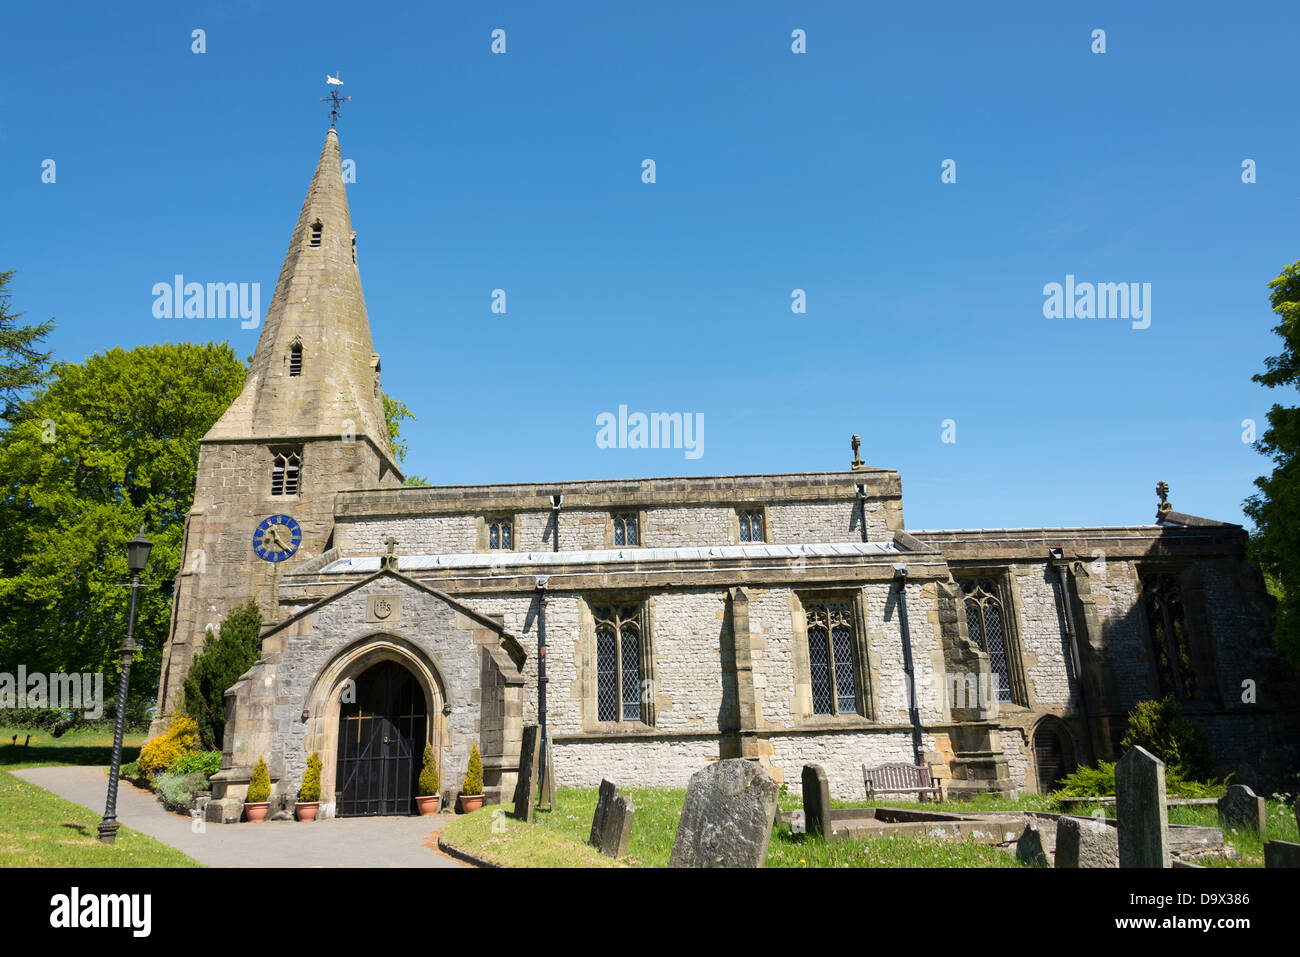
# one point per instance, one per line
(256, 810)
(471, 802)
(306, 810)
(428, 803)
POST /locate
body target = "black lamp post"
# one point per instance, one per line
(137, 559)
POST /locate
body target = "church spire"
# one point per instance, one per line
(315, 373)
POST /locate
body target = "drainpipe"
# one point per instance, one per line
(1063, 574)
(913, 712)
(541, 675)
(862, 509)
(556, 501)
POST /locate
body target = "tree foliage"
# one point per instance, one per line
(395, 412)
(225, 656)
(23, 365)
(105, 446)
(1275, 509)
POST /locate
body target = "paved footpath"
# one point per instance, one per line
(345, 842)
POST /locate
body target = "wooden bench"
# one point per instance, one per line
(901, 779)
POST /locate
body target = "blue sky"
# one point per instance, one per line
(775, 171)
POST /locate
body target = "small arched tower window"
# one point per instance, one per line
(316, 228)
(354, 247)
(295, 359)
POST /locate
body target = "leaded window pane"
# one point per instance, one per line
(606, 674)
(845, 692)
(997, 649)
(631, 673)
(506, 533)
(631, 531)
(820, 665)
(744, 528)
(494, 537)
(973, 624)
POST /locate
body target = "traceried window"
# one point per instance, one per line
(501, 533)
(1170, 644)
(986, 623)
(295, 359)
(626, 530)
(286, 473)
(751, 525)
(832, 657)
(619, 649)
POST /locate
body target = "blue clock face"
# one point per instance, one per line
(277, 538)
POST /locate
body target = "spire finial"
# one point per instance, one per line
(1162, 490)
(336, 102)
(858, 464)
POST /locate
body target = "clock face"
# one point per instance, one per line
(277, 538)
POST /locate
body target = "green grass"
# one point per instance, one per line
(558, 839)
(75, 747)
(40, 829)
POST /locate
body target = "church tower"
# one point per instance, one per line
(308, 423)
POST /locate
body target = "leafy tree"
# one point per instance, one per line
(105, 446)
(1275, 509)
(1161, 728)
(23, 365)
(395, 412)
(225, 656)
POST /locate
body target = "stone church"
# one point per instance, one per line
(787, 618)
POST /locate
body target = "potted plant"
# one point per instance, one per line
(309, 794)
(471, 791)
(258, 801)
(427, 795)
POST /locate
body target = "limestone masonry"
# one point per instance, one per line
(787, 619)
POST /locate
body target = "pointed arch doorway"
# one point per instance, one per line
(381, 737)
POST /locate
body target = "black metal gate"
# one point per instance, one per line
(381, 743)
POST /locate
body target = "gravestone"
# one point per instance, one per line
(1085, 842)
(526, 787)
(1140, 808)
(604, 801)
(817, 801)
(618, 827)
(1281, 854)
(727, 818)
(1242, 808)
(1031, 849)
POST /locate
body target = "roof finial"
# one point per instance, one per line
(858, 464)
(389, 558)
(336, 102)
(1162, 490)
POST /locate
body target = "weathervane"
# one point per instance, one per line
(336, 102)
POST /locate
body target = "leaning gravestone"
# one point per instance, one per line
(1281, 854)
(618, 827)
(1031, 848)
(1140, 808)
(604, 802)
(1241, 808)
(526, 787)
(727, 818)
(817, 801)
(1084, 842)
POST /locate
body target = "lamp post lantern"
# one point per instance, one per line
(137, 559)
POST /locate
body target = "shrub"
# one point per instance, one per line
(259, 786)
(206, 763)
(224, 659)
(130, 771)
(430, 783)
(1100, 782)
(1163, 729)
(176, 791)
(180, 740)
(310, 790)
(473, 774)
